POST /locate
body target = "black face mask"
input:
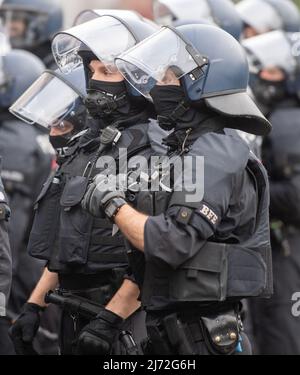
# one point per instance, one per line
(166, 100)
(107, 100)
(173, 110)
(269, 93)
(60, 143)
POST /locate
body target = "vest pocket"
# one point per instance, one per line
(44, 228)
(75, 223)
(217, 272)
(247, 272)
(202, 278)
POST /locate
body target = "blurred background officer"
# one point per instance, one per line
(215, 12)
(5, 270)
(84, 255)
(275, 82)
(26, 163)
(202, 253)
(261, 16)
(31, 24)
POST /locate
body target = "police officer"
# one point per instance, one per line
(23, 172)
(275, 83)
(204, 249)
(85, 256)
(5, 271)
(216, 12)
(262, 16)
(66, 117)
(31, 24)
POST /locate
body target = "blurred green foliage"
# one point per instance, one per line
(297, 2)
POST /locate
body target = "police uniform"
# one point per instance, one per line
(206, 239)
(276, 329)
(26, 166)
(209, 254)
(89, 258)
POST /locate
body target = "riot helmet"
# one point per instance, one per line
(216, 12)
(19, 70)
(99, 41)
(273, 52)
(210, 65)
(262, 16)
(30, 23)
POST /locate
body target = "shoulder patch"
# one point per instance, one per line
(208, 214)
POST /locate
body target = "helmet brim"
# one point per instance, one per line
(242, 111)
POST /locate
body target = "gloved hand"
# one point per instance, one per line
(25, 328)
(101, 191)
(98, 336)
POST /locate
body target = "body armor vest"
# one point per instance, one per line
(219, 271)
(70, 239)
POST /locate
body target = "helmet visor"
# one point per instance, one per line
(259, 15)
(106, 37)
(167, 11)
(48, 102)
(274, 49)
(91, 14)
(164, 57)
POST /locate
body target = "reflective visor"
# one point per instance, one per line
(91, 14)
(48, 102)
(106, 37)
(274, 49)
(163, 57)
(259, 15)
(167, 10)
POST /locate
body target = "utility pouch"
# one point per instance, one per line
(202, 278)
(219, 271)
(46, 220)
(221, 333)
(75, 223)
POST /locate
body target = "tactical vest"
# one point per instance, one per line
(70, 239)
(220, 271)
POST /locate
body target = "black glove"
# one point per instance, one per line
(25, 328)
(100, 193)
(98, 337)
